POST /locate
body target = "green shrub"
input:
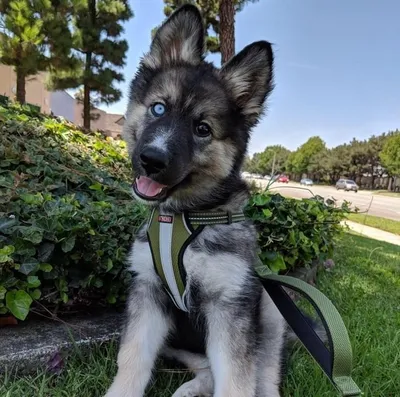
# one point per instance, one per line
(66, 214)
(295, 233)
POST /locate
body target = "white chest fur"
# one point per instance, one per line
(222, 273)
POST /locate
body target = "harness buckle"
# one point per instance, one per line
(229, 213)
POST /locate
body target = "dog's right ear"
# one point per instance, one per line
(180, 39)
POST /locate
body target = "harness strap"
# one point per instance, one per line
(214, 218)
(169, 235)
(336, 362)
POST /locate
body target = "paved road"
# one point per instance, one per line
(383, 206)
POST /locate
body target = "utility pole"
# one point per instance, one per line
(273, 165)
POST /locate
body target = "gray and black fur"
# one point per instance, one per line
(233, 335)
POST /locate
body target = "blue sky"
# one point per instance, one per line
(337, 69)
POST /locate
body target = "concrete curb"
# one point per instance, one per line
(373, 233)
(30, 345)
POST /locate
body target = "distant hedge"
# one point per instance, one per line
(67, 218)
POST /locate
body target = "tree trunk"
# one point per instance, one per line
(86, 107)
(227, 29)
(88, 70)
(372, 177)
(390, 184)
(21, 92)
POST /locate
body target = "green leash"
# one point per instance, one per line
(336, 362)
(170, 234)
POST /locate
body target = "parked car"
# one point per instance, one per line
(347, 185)
(306, 182)
(283, 179)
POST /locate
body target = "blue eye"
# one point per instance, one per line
(157, 109)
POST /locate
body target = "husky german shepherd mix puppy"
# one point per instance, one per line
(187, 127)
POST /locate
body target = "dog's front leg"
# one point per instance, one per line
(231, 351)
(145, 332)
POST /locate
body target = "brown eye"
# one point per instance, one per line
(203, 130)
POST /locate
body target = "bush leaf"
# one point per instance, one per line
(7, 250)
(29, 266)
(33, 281)
(68, 244)
(18, 302)
(36, 294)
(45, 267)
(45, 251)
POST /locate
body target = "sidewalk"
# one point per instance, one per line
(376, 234)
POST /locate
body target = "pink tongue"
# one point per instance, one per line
(148, 187)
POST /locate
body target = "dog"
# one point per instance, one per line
(187, 129)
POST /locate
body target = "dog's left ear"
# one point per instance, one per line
(179, 39)
(248, 75)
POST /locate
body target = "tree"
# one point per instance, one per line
(372, 162)
(79, 96)
(35, 36)
(373, 156)
(318, 165)
(364, 158)
(271, 161)
(390, 155)
(97, 27)
(338, 162)
(301, 159)
(219, 18)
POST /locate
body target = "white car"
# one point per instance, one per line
(347, 185)
(306, 182)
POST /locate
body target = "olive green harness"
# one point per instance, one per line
(170, 234)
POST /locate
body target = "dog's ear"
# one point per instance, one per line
(248, 75)
(179, 39)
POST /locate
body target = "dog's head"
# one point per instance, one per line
(188, 123)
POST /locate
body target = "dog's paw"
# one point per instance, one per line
(193, 388)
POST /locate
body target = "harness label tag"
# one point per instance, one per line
(165, 218)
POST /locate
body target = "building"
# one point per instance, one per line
(58, 103)
(36, 94)
(63, 104)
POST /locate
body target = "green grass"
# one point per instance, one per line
(388, 225)
(365, 287)
(386, 193)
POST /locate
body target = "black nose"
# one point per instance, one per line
(153, 160)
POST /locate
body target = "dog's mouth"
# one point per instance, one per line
(149, 190)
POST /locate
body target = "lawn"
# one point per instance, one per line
(386, 193)
(365, 287)
(388, 225)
